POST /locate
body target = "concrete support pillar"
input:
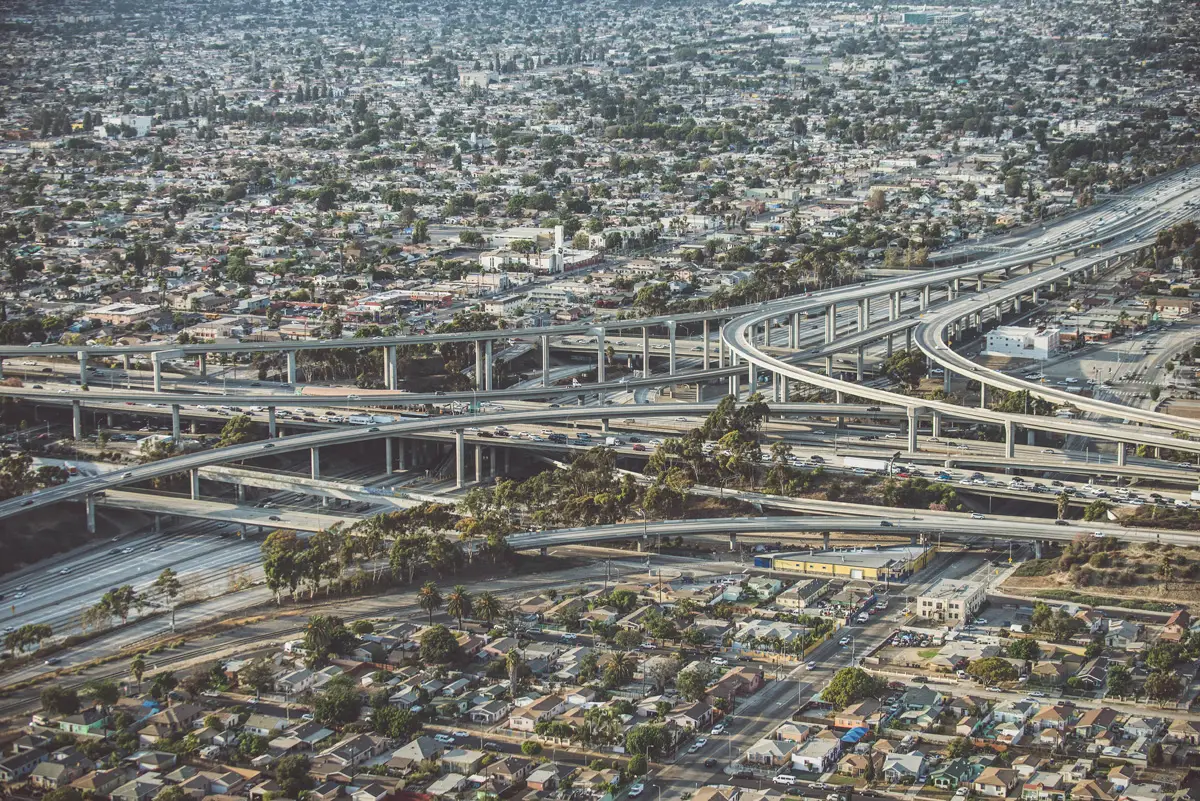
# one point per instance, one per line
(829, 366)
(670, 347)
(864, 317)
(859, 362)
(240, 493)
(76, 419)
(924, 297)
(1017, 305)
(794, 340)
(478, 364)
(908, 339)
(784, 390)
(645, 350)
(478, 464)
(392, 367)
(1120, 454)
(830, 323)
(890, 344)
(983, 395)
(194, 481)
(387, 456)
(1031, 437)
(704, 348)
(272, 424)
(775, 387)
(203, 364)
(487, 365)
(124, 361)
(156, 365)
(1037, 549)
(935, 424)
(291, 366)
(600, 356)
(315, 460)
(914, 421)
(175, 431)
(492, 454)
(894, 307)
(733, 386)
(721, 348)
(979, 283)
(401, 455)
(83, 357)
(752, 377)
(733, 542)
(825, 540)
(604, 425)
(946, 382)
(1010, 439)
(545, 360)
(460, 457)
(90, 505)
(507, 461)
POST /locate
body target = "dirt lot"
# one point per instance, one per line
(1145, 571)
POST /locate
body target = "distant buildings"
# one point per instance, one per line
(951, 601)
(1022, 343)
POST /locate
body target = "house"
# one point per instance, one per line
(527, 717)
(1044, 786)
(740, 680)
(1176, 627)
(1094, 673)
(1141, 726)
(1095, 721)
(17, 766)
(448, 785)
(956, 773)
(904, 768)
(142, 788)
(99, 783)
(264, 725)
(1120, 777)
(1051, 717)
(1121, 634)
(1048, 674)
(772, 753)
(858, 715)
(818, 755)
(173, 720)
(1183, 731)
(371, 792)
(546, 778)
(693, 716)
(62, 768)
(87, 721)
(463, 761)
(419, 750)
(356, 749)
(995, 782)
(490, 713)
(507, 772)
(1091, 790)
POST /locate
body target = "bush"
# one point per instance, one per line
(531, 748)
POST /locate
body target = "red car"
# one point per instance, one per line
(639, 447)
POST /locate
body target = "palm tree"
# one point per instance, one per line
(514, 662)
(488, 607)
(138, 668)
(429, 599)
(621, 667)
(458, 603)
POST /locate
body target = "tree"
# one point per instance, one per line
(259, 675)
(992, 670)
(59, 700)
(63, 794)
(1154, 757)
(849, 686)
(958, 747)
(439, 645)
(137, 668)
(1026, 649)
(627, 639)
(646, 739)
(1119, 681)
(103, 691)
(236, 431)
(531, 748)
(168, 586)
(1064, 505)
(340, 702)
(620, 668)
(1162, 685)
(488, 607)
(399, 724)
(458, 603)
(692, 684)
(429, 599)
(291, 773)
(420, 231)
(171, 792)
(326, 635)
(516, 666)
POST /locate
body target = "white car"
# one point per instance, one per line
(636, 789)
(445, 739)
(703, 741)
(976, 516)
(719, 728)
(784, 778)
(811, 666)
(718, 660)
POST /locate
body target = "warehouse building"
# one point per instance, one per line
(866, 564)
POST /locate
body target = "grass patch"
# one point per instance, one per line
(1037, 567)
(1103, 600)
(928, 653)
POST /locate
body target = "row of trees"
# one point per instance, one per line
(120, 602)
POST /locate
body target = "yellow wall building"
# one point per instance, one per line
(866, 564)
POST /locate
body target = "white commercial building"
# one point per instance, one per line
(1022, 343)
(952, 601)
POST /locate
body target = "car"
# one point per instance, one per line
(718, 660)
(19, 595)
(844, 641)
(1037, 694)
(491, 746)
(636, 789)
(976, 516)
(1098, 534)
(65, 571)
(445, 739)
(980, 621)
(885, 523)
(703, 741)
(1061, 522)
(1047, 450)
(268, 446)
(461, 733)
(961, 792)
(783, 778)
(810, 666)
(127, 474)
(719, 728)
(54, 660)
(210, 693)
(710, 762)
(820, 786)
(681, 419)
(694, 748)
(994, 690)
(873, 409)
(275, 518)
(155, 547)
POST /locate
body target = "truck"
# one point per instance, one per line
(360, 419)
(873, 465)
(610, 441)
(383, 418)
